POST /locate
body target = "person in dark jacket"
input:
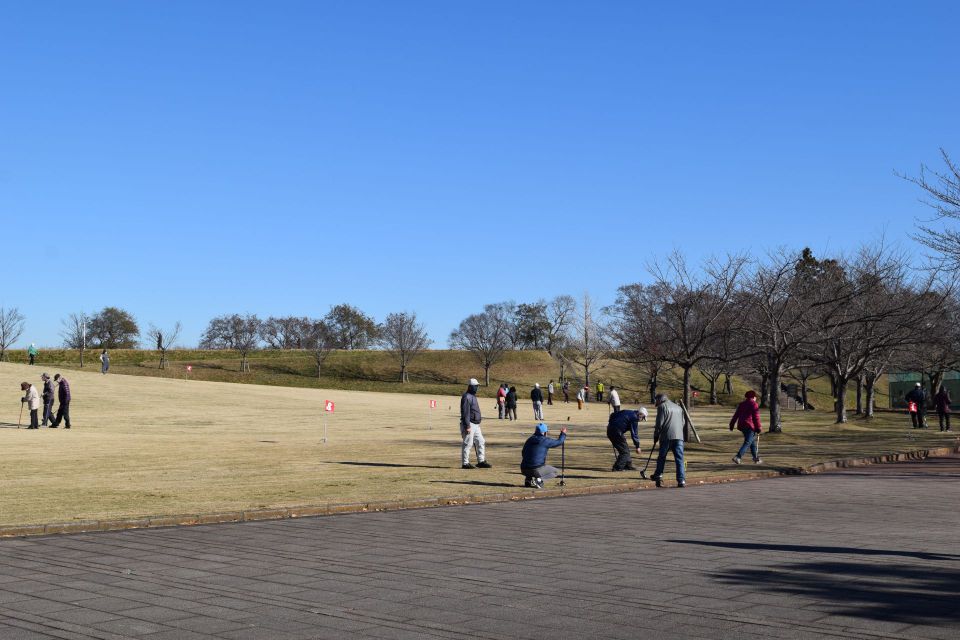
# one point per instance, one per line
(919, 399)
(620, 422)
(47, 395)
(512, 403)
(942, 402)
(747, 419)
(536, 397)
(63, 395)
(565, 387)
(533, 464)
(470, 428)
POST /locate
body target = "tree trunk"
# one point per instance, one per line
(859, 410)
(403, 373)
(243, 362)
(803, 394)
(727, 384)
(841, 406)
(775, 424)
(764, 389)
(936, 379)
(81, 358)
(713, 391)
(686, 385)
(486, 375)
(870, 384)
(319, 369)
(653, 388)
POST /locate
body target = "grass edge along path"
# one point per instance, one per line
(254, 515)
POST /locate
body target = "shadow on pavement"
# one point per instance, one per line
(913, 594)
(797, 548)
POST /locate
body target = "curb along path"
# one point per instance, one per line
(86, 526)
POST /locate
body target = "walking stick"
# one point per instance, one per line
(563, 460)
(20, 419)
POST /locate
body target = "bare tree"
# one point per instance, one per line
(484, 335)
(74, 332)
(11, 328)
(588, 346)
(943, 191)
(404, 337)
(285, 333)
(240, 333)
(319, 340)
(163, 340)
(559, 314)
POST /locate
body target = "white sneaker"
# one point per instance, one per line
(736, 460)
(758, 461)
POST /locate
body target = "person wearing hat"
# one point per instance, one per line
(47, 396)
(32, 398)
(63, 395)
(617, 427)
(581, 397)
(747, 420)
(533, 464)
(470, 427)
(536, 397)
(917, 405)
(32, 352)
(668, 429)
(614, 399)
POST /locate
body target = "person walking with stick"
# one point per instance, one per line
(32, 399)
(533, 464)
(747, 420)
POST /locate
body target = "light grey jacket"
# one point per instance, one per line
(669, 421)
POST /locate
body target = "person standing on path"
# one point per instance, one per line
(917, 404)
(746, 418)
(669, 431)
(614, 400)
(599, 391)
(550, 390)
(942, 403)
(620, 422)
(533, 463)
(32, 398)
(536, 397)
(48, 396)
(566, 391)
(470, 428)
(104, 361)
(502, 401)
(580, 396)
(512, 403)
(63, 395)
(32, 352)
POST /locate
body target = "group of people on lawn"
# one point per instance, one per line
(669, 432)
(31, 399)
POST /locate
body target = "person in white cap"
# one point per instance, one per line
(917, 405)
(536, 397)
(470, 427)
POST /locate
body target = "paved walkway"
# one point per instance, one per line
(868, 553)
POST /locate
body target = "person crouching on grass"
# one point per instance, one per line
(534, 465)
(747, 420)
(32, 398)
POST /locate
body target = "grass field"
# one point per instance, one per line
(152, 446)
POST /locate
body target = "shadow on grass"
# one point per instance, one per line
(478, 483)
(390, 464)
(911, 594)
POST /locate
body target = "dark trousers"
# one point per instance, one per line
(619, 442)
(919, 420)
(34, 422)
(566, 396)
(31, 358)
(63, 414)
(48, 412)
(549, 398)
(944, 417)
(599, 396)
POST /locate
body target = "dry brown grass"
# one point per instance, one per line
(151, 446)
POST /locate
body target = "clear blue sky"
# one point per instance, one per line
(186, 159)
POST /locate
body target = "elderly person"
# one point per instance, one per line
(668, 429)
(747, 419)
(63, 395)
(533, 463)
(49, 392)
(32, 400)
(470, 428)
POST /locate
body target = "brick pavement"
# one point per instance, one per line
(868, 553)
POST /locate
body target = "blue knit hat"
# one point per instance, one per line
(542, 427)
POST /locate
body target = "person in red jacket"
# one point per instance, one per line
(747, 419)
